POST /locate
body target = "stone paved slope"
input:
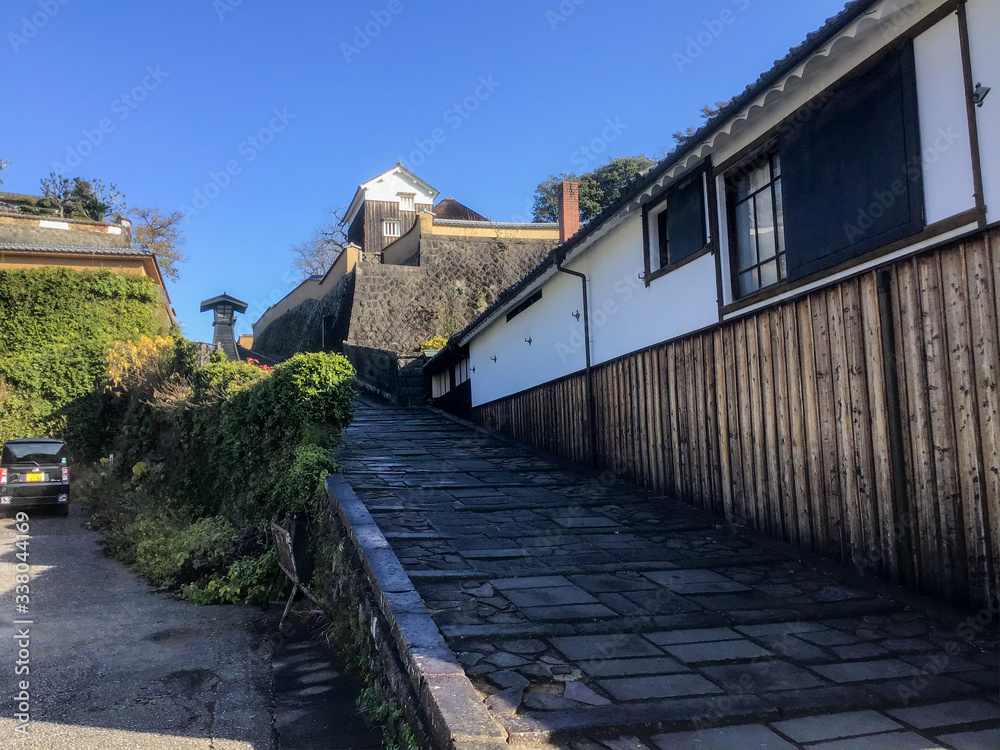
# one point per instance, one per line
(590, 614)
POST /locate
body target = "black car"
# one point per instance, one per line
(34, 473)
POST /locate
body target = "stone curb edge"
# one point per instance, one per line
(457, 717)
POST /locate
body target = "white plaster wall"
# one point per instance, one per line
(625, 316)
(984, 21)
(556, 344)
(944, 125)
(388, 187)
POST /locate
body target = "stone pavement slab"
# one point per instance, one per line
(590, 613)
(746, 736)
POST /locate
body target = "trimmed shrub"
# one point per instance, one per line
(211, 455)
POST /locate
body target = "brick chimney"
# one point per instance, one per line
(569, 209)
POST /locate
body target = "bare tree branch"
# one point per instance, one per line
(59, 190)
(314, 256)
(160, 233)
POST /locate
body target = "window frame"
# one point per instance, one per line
(524, 304)
(771, 150)
(386, 223)
(656, 208)
(407, 202)
(771, 140)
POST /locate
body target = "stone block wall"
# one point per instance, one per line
(400, 307)
(301, 328)
(385, 373)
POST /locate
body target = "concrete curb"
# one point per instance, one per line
(457, 717)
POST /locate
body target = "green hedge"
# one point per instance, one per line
(207, 457)
(55, 326)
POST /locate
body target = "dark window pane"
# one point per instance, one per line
(851, 174)
(769, 273)
(746, 249)
(766, 247)
(779, 220)
(686, 220)
(748, 282)
(663, 240)
(756, 175)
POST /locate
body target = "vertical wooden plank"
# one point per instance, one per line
(983, 272)
(863, 413)
(775, 521)
(698, 451)
(642, 409)
(907, 519)
(745, 423)
(829, 437)
(713, 500)
(621, 412)
(948, 494)
(878, 426)
(675, 438)
(757, 429)
(610, 417)
(632, 413)
(782, 407)
(921, 457)
(962, 386)
(681, 418)
(722, 358)
(714, 425)
(647, 422)
(666, 409)
(836, 306)
(656, 413)
(689, 415)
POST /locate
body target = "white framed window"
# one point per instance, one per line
(440, 384)
(390, 228)
(461, 372)
(407, 202)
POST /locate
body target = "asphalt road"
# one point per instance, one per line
(114, 664)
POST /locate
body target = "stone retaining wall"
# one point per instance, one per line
(408, 659)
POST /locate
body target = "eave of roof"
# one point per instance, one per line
(211, 302)
(781, 67)
(74, 249)
(502, 224)
(358, 199)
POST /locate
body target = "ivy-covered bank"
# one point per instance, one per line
(206, 456)
(56, 326)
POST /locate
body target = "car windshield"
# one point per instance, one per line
(41, 452)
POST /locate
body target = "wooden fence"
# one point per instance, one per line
(859, 420)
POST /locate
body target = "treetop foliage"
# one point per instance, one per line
(599, 188)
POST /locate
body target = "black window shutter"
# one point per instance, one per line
(686, 219)
(851, 178)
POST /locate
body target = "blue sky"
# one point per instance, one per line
(287, 108)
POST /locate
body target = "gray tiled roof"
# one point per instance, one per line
(77, 249)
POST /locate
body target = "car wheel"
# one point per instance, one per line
(62, 510)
